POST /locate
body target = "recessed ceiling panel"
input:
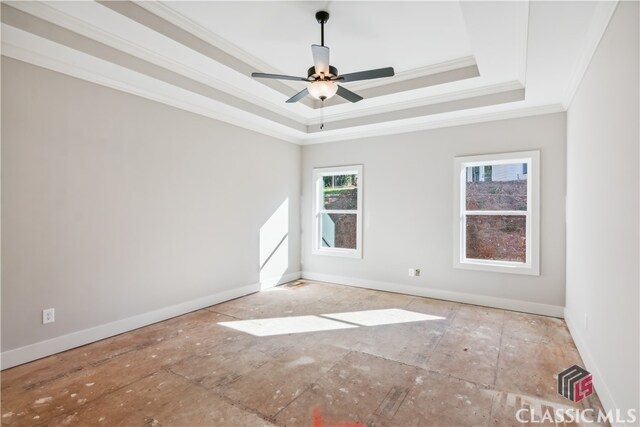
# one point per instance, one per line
(455, 63)
(404, 35)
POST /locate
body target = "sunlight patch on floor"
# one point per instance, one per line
(286, 325)
(326, 322)
(387, 316)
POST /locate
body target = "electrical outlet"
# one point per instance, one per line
(48, 315)
(414, 272)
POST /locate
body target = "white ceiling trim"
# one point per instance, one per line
(134, 39)
(176, 18)
(24, 46)
(233, 84)
(482, 114)
(601, 17)
(472, 92)
(416, 73)
(87, 21)
(59, 58)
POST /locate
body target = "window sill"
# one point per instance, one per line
(498, 267)
(345, 253)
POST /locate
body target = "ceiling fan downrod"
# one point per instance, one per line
(322, 17)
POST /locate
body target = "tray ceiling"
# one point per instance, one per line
(455, 62)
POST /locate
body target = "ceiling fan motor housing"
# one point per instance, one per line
(311, 73)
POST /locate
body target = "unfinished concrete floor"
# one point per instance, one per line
(465, 365)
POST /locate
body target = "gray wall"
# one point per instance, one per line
(113, 205)
(602, 213)
(408, 210)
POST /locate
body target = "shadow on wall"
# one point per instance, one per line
(274, 247)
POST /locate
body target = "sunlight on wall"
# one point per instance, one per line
(274, 247)
(326, 322)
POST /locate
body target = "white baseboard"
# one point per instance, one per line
(55, 345)
(488, 301)
(604, 393)
(270, 282)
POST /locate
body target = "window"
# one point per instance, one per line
(337, 211)
(497, 205)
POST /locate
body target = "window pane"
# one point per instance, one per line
(339, 230)
(500, 187)
(501, 238)
(340, 192)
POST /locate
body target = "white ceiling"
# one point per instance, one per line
(455, 62)
(404, 35)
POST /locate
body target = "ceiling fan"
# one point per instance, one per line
(322, 79)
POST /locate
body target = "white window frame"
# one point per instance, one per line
(318, 210)
(532, 264)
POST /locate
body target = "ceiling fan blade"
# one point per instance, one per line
(348, 95)
(367, 75)
(298, 96)
(277, 76)
(320, 58)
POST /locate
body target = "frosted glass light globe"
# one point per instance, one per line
(322, 89)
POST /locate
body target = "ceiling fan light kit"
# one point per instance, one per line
(322, 89)
(322, 78)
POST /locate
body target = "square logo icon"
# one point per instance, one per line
(575, 383)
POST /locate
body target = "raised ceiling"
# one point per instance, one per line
(455, 62)
(360, 37)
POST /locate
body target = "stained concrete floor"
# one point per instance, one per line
(469, 366)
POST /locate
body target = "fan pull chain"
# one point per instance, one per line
(322, 114)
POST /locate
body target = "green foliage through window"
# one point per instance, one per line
(337, 181)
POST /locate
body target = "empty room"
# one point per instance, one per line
(320, 213)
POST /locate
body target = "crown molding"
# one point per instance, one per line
(599, 23)
(464, 104)
(444, 120)
(392, 87)
(183, 33)
(416, 73)
(176, 18)
(55, 16)
(56, 62)
(72, 57)
(33, 49)
(421, 102)
(26, 47)
(164, 11)
(171, 15)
